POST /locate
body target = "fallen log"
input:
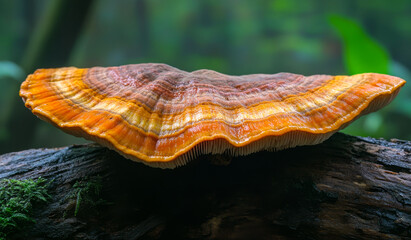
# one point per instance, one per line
(345, 188)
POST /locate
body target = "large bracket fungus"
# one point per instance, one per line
(164, 117)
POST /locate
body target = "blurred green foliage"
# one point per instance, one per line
(363, 54)
(10, 75)
(233, 37)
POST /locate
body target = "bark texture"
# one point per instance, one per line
(345, 188)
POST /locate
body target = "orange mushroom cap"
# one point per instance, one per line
(164, 117)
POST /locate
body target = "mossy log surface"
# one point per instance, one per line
(345, 188)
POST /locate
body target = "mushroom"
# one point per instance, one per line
(164, 117)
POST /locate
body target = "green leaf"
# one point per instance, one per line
(11, 70)
(361, 52)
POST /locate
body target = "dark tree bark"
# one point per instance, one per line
(346, 188)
